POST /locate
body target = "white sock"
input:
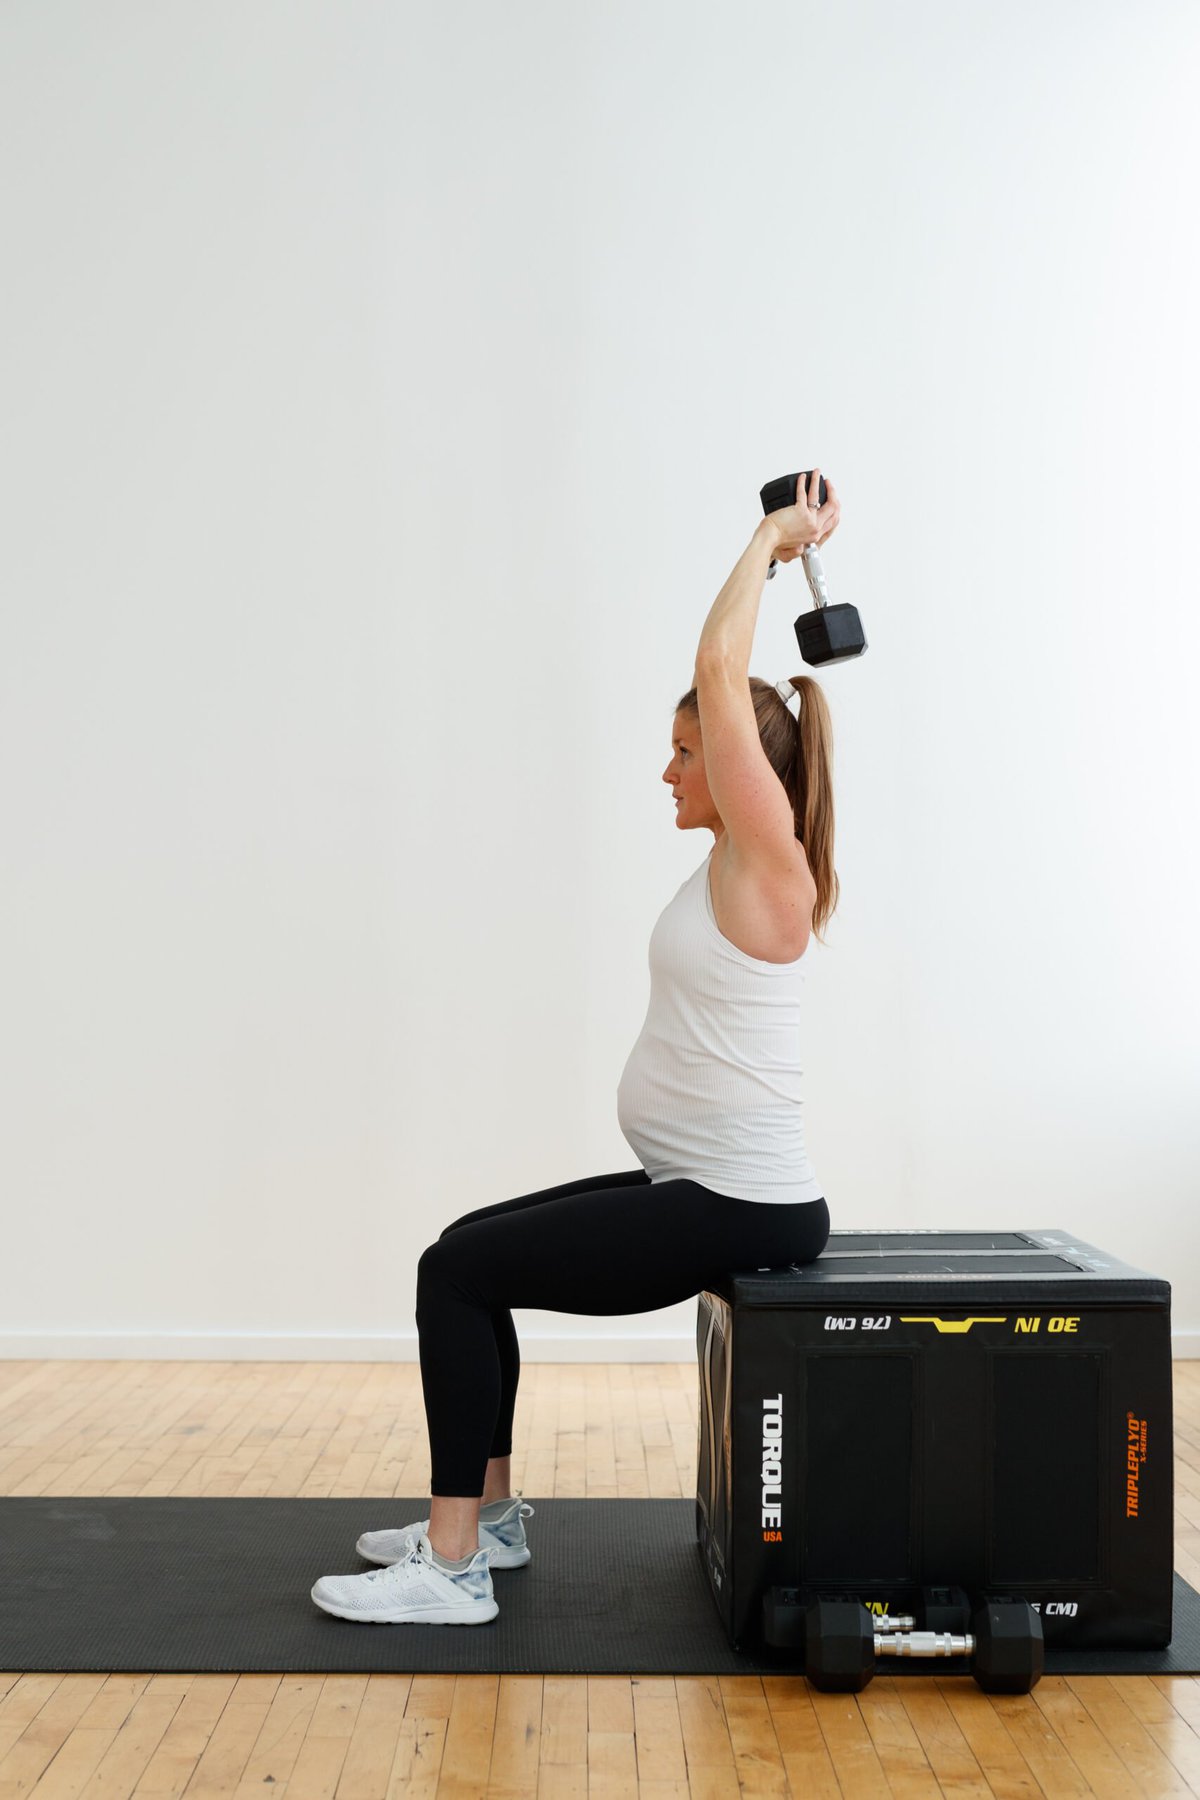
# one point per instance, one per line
(453, 1568)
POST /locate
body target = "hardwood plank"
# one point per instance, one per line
(609, 1703)
(757, 1755)
(658, 1731)
(899, 1749)
(707, 1739)
(371, 1750)
(181, 1746)
(564, 1721)
(418, 1759)
(1008, 1774)
(950, 1757)
(802, 1745)
(33, 1732)
(1153, 1772)
(469, 1733)
(611, 1768)
(516, 1740)
(283, 1731)
(1034, 1735)
(851, 1748)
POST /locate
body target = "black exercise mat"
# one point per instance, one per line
(615, 1588)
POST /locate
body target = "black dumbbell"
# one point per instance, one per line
(839, 1646)
(1010, 1652)
(842, 1642)
(827, 634)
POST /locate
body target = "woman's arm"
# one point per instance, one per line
(728, 633)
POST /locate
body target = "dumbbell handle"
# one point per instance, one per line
(925, 1643)
(815, 574)
(893, 1621)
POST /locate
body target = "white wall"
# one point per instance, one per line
(386, 394)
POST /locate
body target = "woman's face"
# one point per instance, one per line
(685, 776)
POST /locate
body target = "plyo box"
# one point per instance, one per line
(987, 1410)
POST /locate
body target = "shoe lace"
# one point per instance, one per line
(414, 1555)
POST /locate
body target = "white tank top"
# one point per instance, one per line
(711, 1090)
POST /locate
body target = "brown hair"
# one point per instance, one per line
(801, 754)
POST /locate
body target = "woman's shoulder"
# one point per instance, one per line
(763, 904)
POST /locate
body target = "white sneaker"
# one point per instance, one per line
(505, 1536)
(413, 1591)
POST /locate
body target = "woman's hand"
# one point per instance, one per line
(805, 523)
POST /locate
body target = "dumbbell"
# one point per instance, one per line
(827, 634)
(842, 1643)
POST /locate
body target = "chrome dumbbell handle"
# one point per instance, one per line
(893, 1622)
(815, 574)
(925, 1643)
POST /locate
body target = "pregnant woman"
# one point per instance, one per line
(709, 1102)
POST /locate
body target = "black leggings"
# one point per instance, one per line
(607, 1244)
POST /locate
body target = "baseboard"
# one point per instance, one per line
(535, 1347)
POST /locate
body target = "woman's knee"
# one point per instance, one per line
(432, 1264)
(467, 1219)
(450, 1262)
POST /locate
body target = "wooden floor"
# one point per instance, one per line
(317, 1429)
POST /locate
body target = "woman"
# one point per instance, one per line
(709, 1102)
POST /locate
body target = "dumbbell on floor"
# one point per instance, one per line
(843, 1642)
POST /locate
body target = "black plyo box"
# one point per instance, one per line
(989, 1410)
